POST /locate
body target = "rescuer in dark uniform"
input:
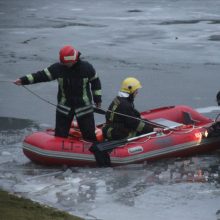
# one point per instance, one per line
(79, 84)
(119, 126)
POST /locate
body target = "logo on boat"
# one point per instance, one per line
(134, 150)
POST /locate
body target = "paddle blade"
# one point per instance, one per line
(110, 145)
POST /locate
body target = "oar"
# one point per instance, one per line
(110, 145)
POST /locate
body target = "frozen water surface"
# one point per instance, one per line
(164, 189)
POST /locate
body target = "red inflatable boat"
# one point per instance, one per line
(185, 134)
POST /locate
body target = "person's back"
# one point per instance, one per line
(122, 119)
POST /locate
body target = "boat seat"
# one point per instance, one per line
(188, 120)
(167, 123)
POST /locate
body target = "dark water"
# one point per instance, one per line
(171, 46)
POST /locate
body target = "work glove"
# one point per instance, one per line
(18, 82)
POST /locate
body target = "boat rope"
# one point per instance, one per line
(171, 131)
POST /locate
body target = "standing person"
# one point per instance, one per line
(78, 85)
(119, 126)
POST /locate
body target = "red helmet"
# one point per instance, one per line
(69, 54)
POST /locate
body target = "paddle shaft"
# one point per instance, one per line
(107, 146)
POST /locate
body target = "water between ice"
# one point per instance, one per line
(180, 188)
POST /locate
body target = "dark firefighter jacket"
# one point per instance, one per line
(78, 85)
(118, 126)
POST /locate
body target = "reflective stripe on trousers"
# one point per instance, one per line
(83, 111)
(63, 109)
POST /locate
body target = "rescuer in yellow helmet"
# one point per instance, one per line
(122, 117)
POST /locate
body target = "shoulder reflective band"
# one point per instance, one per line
(115, 106)
(47, 72)
(30, 78)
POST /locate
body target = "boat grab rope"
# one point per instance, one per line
(178, 132)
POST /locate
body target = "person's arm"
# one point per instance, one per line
(48, 74)
(96, 89)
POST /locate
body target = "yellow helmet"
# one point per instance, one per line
(130, 85)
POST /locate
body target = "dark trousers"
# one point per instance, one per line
(86, 125)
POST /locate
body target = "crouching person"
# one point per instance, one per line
(122, 117)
